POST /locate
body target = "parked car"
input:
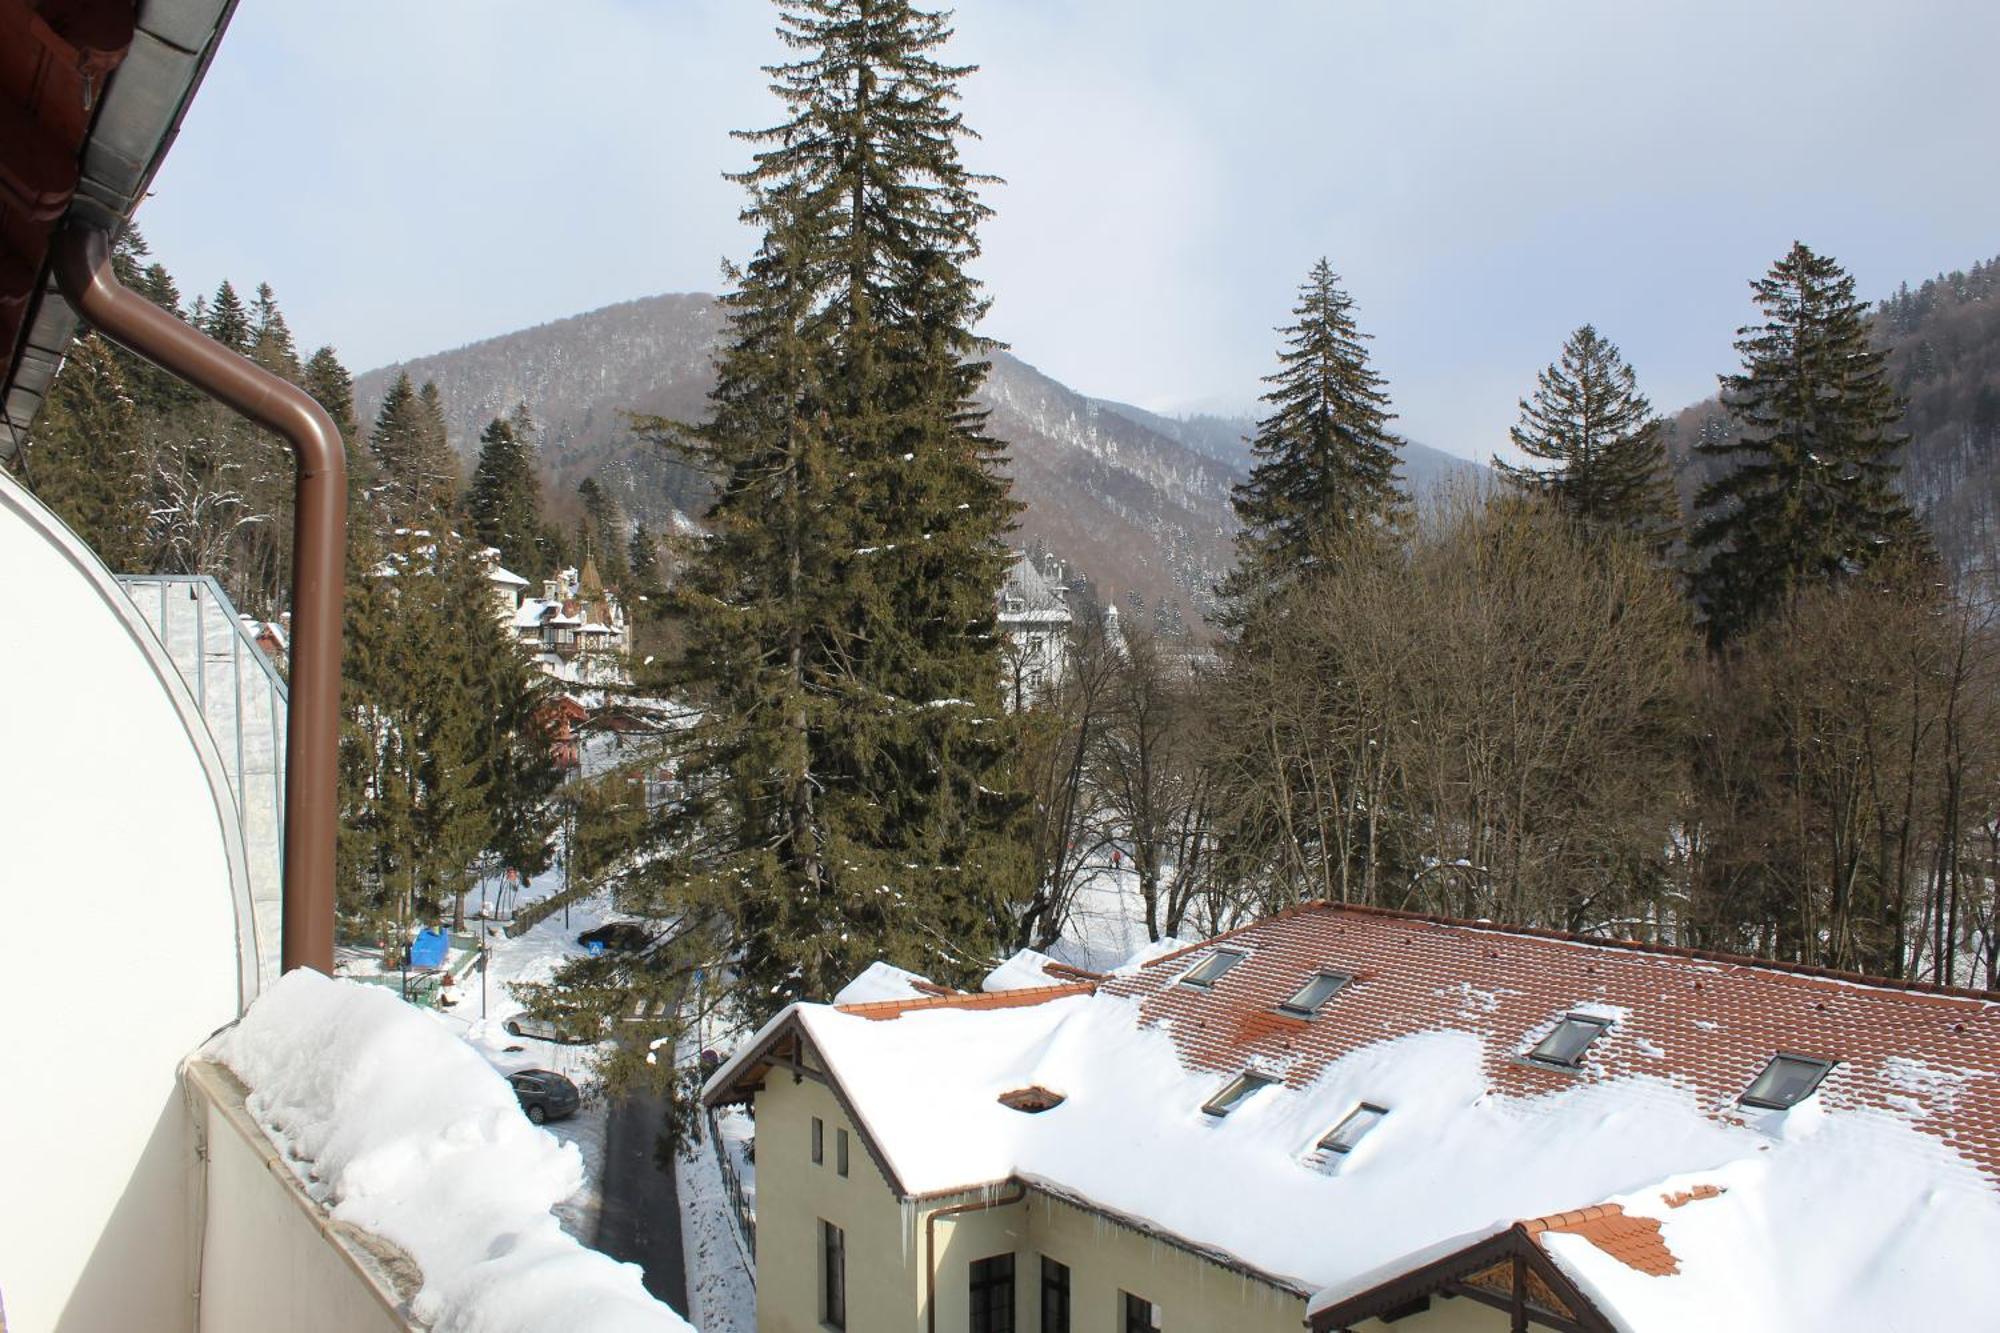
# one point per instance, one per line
(616, 937)
(544, 1094)
(527, 1025)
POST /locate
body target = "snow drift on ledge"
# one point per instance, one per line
(404, 1131)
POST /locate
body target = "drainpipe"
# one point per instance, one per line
(82, 262)
(930, 1243)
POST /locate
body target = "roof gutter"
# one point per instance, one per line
(81, 259)
(1019, 1193)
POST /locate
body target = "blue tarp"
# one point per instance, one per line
(428, 949)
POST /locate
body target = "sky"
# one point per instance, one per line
(1485, 175)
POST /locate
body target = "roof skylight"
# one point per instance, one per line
(1316, 992)
(1565, 1046)
(1207, 972)
(1786, 1081)
(1246, 1086)
(1343, 1136)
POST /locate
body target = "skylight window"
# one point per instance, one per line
(1343, 1136)
(1242, 1090)
(1565, 1046)
(1315, 993)
(1207, 972)
(1786, 1081)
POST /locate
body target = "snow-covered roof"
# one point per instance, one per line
(1903, 1136)
(531, 612)
(505, 577)
(402, 1130)
(1030, 597)
(884, 981)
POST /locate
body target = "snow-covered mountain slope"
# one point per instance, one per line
(1137, 502)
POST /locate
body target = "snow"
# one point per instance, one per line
(1915, 1225)
(722, 1292)
(1024, 971)
(882, 982)
(403, 1131)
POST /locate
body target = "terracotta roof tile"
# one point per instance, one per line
(1633, 1241)
(883, 1010)
(1929, 1055)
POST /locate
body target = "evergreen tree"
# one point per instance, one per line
(505, 500)
(86, 455)
(1606, 447)
(225, 320)
(327, 380)
(849, 773)
(643, 560)
(418, 474)
(602, 538)
(1808, 492)
(271, 343)
(1326, 462)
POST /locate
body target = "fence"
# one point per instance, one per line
(740, 1207)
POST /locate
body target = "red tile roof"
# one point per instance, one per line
(883, 1010)
(1709, 1021)
(1633, 1241)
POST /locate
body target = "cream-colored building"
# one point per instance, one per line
(1359, 1120)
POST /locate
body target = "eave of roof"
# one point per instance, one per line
(137, 118)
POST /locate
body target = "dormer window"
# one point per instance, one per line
(1210, 969)
(1343, 1136)
(1316, 992)
(1786, 1081)
(1564, 1047)
(1246, 1086)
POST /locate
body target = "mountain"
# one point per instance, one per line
(1137, 503)
(1943, 340)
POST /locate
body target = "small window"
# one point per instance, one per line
(1055, 1296)
(1786, 1081)
(1210, 969)
(1565, 1046)
(840, 1151)
(1315, 993)
(833, 1276)
(1141, 1315)
(1241, 1090)
(819, 1141)
(993, 1294)
(1343, 1136)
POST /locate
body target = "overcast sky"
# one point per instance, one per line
(412, 175)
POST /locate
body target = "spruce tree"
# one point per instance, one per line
(271, 343)
(1605, 446)
(1326, 462)
(418, 474)
(1807, 493)
(602, 538)
(505, 500)
(86, 456)
(850, 769)
(225, 319)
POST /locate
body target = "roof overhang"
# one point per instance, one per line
(132, 121)
(1508, 1270)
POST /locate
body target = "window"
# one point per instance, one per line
(1343, 1136)
(833, 1275)
(1141, 1315)
(992, 1303)
(819, 1141)
(1786, 1081)
(1565, 1046)
(1315, 993)
(1210, 969)
(1055, 1296)
(840, 1151)
(1246, 1086)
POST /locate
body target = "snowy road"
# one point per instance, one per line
(639, 1219)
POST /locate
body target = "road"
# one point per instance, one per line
(641, 1218)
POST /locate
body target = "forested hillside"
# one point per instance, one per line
(1137, 501)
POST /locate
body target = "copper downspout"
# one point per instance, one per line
(81, 258)
(930, 1243)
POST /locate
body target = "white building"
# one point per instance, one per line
(1035, 617)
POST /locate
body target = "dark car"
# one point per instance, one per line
(545, 1095)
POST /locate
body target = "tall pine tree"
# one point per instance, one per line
(849, 773)
(1326, 462)
(505, 500)
(1807, 492)
(1605, 447)
(418, 475)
